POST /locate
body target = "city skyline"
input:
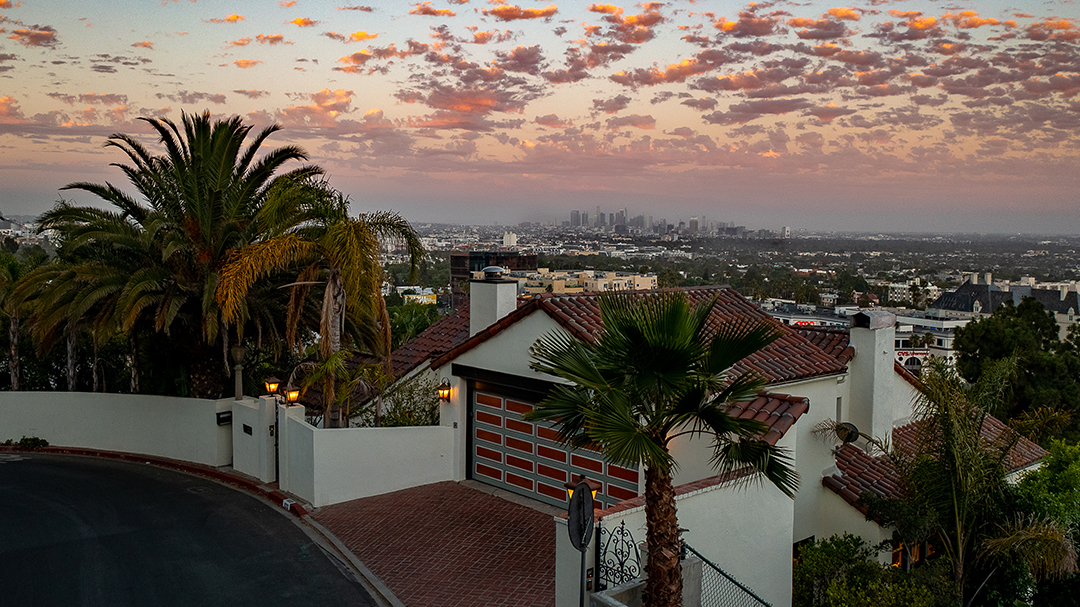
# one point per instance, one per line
(876, 115)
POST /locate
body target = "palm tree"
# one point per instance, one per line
(342, 252)
(206, 197)
(11, 271)
(956, 490)
(654, 373)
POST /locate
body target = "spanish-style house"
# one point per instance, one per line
(814, 375)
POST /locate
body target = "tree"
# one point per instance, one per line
(955, 487)
(1049, 377)
(654, 373)
(162, 254)
(1053, 491)
(345, 254)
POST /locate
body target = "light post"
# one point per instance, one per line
(579, 518)
(238, 352)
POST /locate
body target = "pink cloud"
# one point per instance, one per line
(35, 35)
(246, 63)
(144, 44)
(425, 8)
(323, 111)
(251, 94)
(636, 121)
(552, 121)
(510, 12)
(366, 9)
(233, 18)
(303, 22)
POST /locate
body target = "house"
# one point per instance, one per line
(813, 375)
(974, 300)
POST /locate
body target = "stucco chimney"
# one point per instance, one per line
(490, 298)
(871, 372)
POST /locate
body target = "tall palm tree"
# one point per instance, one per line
(655, 373)
(206, 197)
(342, 252)
(12, 270)
(957, 493)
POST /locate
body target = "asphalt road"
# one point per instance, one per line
(83, 531)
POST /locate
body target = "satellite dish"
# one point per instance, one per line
(847, 432)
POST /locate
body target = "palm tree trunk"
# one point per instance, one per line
(94, 364)
(663, 570)
(133, 362)
(13, 351)
(332, 324)
(70, 360)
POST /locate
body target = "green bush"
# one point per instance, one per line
(27, 442)
(842, 571)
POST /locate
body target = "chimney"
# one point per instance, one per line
(490, 298)
(989, 278)
(871, 373)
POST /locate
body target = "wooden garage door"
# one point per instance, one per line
(527, 458)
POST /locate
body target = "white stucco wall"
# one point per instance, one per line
(254, 454)
(328, 466)
(745, 530)
(177, 428)
(297, 446)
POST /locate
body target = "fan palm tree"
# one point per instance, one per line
(207, 196)
(342, 252)
(655, 373)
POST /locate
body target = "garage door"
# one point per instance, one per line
(526, 457)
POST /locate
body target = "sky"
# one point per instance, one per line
(874, 115)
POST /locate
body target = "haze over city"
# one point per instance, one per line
(871, 115)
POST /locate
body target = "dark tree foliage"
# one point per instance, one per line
(1049, 373)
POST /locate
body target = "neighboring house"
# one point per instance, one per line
(973, 300)
(857, 472)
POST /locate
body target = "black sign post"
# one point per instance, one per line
(579, 521)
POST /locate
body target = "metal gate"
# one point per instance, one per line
(528, 459)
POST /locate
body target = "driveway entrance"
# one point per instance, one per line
(451, 545)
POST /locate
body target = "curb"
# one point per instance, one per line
(271, 495)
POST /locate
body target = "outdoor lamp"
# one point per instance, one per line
(292, 394)
(570, 486)
(444, 390)
(272, 384)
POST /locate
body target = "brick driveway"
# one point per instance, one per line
(449, 545)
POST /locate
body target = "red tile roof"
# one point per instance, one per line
(777, 411)
(860, 472)
(833, 341)
(440, 337)
(789, 358)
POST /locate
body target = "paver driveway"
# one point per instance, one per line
(451, 545)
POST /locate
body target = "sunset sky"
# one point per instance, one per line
(873, 115)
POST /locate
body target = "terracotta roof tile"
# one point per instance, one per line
(861, 472)
(789, 358)
(777, 411)
(440, 337)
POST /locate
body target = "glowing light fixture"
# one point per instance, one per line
(444, 390)
(271, 384)
(292, 394)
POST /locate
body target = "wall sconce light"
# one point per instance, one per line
(594, 486)
(271, 384)
(444, 390)
(292, 394)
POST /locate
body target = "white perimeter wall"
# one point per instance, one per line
(176, 428)
(745, 530)
(332, 465)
